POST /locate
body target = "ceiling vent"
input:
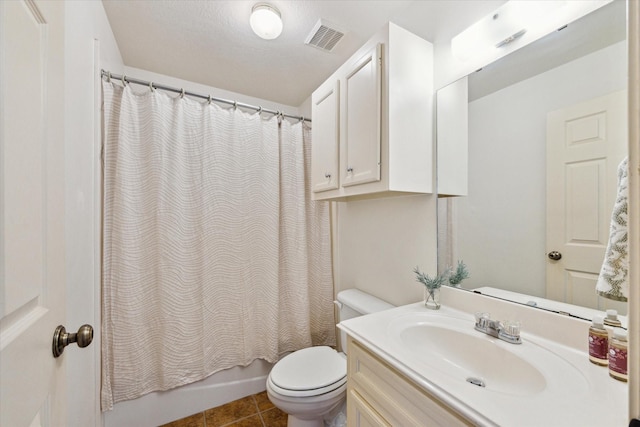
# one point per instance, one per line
(324, 36)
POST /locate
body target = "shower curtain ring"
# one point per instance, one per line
(259, 109)
(108, 76)
(209, 100)
(235, 105)
(124, 80)
(153, 89)
(181, 93)
(302, 118)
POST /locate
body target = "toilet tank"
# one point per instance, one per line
(353, 303)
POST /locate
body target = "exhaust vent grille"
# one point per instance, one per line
(324, 36)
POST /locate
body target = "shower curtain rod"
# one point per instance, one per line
(125, 80)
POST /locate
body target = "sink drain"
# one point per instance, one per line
(476, 381)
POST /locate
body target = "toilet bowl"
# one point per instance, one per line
(310, 384)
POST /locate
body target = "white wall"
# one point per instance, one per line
(380, 241)
(501, 224)
(89, 44)
(305, 108)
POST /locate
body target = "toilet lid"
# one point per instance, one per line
(310, 371)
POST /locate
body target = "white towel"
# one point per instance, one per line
(613, 282)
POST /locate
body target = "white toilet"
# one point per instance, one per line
(310, 384)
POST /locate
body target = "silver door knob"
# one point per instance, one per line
(554, 255)
(61, 338)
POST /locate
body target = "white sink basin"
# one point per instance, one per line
(452, 346)
(475, 358)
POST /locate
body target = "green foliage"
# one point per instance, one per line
(460, 274)
(430, 282)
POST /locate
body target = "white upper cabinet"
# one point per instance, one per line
(324, 149)
(452, 111)
(360, 130)
(373, 121)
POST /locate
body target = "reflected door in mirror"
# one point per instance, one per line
(585, 144)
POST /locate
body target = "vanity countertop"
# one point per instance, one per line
(559, 386)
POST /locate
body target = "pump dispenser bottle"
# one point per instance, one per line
(618, 355)
(598, 342)
(612, 319)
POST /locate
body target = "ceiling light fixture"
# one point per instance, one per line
(266, 21)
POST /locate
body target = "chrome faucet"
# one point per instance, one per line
(506, 331)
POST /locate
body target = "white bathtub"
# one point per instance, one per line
(159, 408)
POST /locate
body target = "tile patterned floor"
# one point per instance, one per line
(250, 411)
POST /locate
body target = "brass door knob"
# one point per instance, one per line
(61, 338)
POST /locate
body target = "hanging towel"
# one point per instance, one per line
(613, 282)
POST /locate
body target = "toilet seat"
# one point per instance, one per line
(309, 372)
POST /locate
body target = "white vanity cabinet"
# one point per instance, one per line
(378, 395)
(372, 121)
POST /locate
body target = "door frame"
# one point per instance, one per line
(83, 145)
(633, 37)
(97, 229)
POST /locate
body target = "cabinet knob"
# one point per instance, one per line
(349, 169)
(327, 175)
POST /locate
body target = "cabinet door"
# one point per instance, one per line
(452, 112)
(361, 117)
(360, 414)
(325, 111)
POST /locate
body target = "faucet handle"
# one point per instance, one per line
(511, 331)
(511, 328)
(482, 320)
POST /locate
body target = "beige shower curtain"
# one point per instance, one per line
(214, 253)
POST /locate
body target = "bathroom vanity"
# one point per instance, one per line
(380, 395)
(413, 366)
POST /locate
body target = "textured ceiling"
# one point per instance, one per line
(210, 42)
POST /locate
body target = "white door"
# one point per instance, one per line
(32, 247)
(585, 144)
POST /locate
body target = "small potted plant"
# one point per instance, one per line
(432, 287)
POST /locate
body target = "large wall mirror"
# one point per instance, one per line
(529, 193)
